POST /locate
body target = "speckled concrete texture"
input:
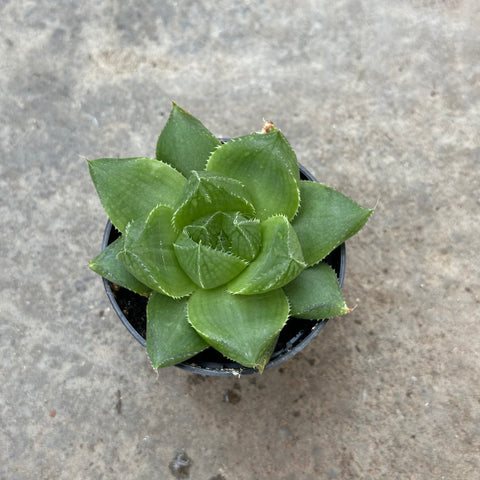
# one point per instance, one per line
(380, 100)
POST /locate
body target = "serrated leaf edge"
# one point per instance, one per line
(159, 288)
(199, 247)
(170, 361)
(269, 288)
(233, 194)
(294, 174)
(345, 306)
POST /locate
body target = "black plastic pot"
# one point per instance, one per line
(297, 333)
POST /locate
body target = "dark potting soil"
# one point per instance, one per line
(133, 306)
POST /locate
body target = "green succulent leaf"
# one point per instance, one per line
(206, 193)
(129, 188)
(246, 237)
(315, 294)
(229, 232)
(326, 219)
(185, 143)
(206, 266)
(280, 260)
(267, 165)
(170, 337)
(243, 328)
(109, 266)
(149, 255)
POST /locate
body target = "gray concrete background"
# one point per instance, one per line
(380, 100)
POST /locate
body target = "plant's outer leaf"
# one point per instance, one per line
(207, 267)
(315, 294)
(148, 254)
(109, 266)
(129, 188)
(267, 166)
(326, 219)
(170, 337)
(280, 260)
(209, 192)
(230, 232)
(241, 327)
(185, 143)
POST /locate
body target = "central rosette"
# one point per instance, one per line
(216, 248)
(219, 236)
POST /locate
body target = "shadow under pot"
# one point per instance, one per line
(131, 308)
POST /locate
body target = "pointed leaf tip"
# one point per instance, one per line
(108, 265)
(243, 328)
(315, 294)
(185, 143)
(170, 338)
(325, 219)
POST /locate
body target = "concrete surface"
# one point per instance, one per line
(380, 100)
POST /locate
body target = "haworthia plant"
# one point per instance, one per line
(224, 238)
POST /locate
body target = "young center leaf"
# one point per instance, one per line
(209, 192)
(207, 267)
(240, 327)
(267, 166)
(170, 338)
(315, 294)
(185, 143)
(280, 260)
(129, 188)
(230, 232)
(326, 219)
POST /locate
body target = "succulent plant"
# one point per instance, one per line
(224, 239)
